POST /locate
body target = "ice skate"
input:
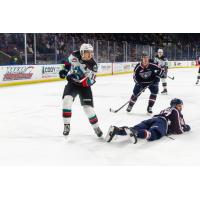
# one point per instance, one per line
(149, 110)
(111, 133)
(129, 108)
(98, 131)
(132, 134)
(164, 92)
(66, 129)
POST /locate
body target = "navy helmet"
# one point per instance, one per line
(174, 102)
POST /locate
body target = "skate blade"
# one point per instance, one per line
(107, 138)
(66, 137)
(131, 138)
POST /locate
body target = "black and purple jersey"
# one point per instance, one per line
(147, 75)
(174, 119)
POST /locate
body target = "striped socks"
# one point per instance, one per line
(93, 121)
(67, 113)
(152, 99)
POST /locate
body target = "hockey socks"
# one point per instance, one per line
(93, 120)
(164, 83)
(131, 103)
(143, 134)
(89, 111)
(67, 112)
(152, 100)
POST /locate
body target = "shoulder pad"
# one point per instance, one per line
(76, 54)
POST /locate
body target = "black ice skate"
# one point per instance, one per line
(164, 91)
(132, 134)
(98, 131)
(197, 82)
(111, 133)
(149, 110)
(129, 108)
(66, 129)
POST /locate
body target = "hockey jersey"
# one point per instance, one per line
(161, 61)
(80, 70)
(174, 119)
(147, 75)
(198, 62)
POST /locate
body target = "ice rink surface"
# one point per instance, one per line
(31, 125)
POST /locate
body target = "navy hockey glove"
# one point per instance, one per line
(63, 73)
(186, 128)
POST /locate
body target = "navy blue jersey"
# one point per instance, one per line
(174, 119)
(147, 75)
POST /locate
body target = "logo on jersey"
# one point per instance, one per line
(95, 68)
(74, 60)
(145, 75)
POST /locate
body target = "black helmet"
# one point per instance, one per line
(175, 102)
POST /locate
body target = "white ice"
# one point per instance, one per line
(31, 125)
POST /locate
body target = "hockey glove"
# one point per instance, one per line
(186, 128)
(63, 73)
(86, 82)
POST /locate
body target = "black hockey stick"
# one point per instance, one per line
(115, 111)
(170, 137)
(171, 77)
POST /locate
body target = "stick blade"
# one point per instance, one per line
(112, 110)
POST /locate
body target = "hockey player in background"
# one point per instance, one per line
(80, 70)
(146, 75)
(169, 121)
(161, 60)
(198, 65)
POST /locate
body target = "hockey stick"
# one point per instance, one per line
(115, 111)
(171, 77)
(170, 137)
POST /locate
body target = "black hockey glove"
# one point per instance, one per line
(186, 128)
(63, 73)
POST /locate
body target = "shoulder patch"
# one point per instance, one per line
(74, 59)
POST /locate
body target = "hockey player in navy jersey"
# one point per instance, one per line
(198, 65)
(80, 70)
(146, 75)
(161, 60)
(169, 121)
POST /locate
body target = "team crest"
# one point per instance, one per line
(146, 75)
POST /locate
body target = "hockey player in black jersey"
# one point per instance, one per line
(169, 121)
(198, 65)
(146, 75)
(80, 70)
(161, 60)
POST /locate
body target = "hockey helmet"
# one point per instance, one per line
(145, 54)
(174, 102)
(86, 47)
(160, 52)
